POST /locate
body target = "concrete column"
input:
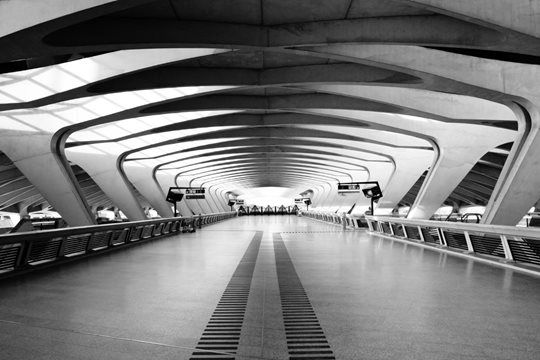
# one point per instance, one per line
(142, 176)
(521, 187)
(103, 168)
(32, 154)
(220, 205)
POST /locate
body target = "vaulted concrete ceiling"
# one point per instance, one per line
(422, 96)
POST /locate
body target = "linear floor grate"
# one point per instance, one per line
(305, 336)
(221, 336)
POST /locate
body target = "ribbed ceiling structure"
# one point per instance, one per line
(108, 103)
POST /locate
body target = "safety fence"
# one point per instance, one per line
(502, 244)
(23, 252)
(338, 219)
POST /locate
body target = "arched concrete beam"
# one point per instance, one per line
(62, 79)
(272, 157)
(274, 131)
(227, 175)
(247, 119)
(518, 15)
(434, 105)
(311, 152)
(276, 103)
(456, 156)
(176, 76)
(517, 187)
(410, 164)
(281, 166)
(158, 197)
(281, 132)
(19, 15)
(118, 33)
(344, 150)
(270, 142)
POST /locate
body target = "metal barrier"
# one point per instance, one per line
(23, 252)
(507, 244)
(337, 219)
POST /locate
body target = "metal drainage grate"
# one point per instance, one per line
(305, 336)
(221, 336)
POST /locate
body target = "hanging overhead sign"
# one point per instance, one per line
(357, 187)
(195, 193)
(177, 193)
(348, 188)
(174, 195)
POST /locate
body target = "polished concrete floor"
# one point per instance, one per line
(315, 292)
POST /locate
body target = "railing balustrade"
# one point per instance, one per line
(505, 244)
(23, 252)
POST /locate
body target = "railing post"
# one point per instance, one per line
(507, 250)
(370, 226)
(470, 246)
(442, 239)
(421, 234)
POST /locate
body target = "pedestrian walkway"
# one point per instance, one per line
(271, 287)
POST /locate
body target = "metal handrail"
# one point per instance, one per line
(509, 245)
(28, 251)
(499, 244)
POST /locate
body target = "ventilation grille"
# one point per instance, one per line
(119, 236)
(8, 256)
(398, 230)
(487, 244)
(76, 244)
(456, 240)
(100, 240)
(386, 228)
(431, 235)
(525, 250)
(412, 232)
(44, 250)
(167, 228)
(147, 231)
(157, 230)
(305, 337)
(136, 234)
(221, 336)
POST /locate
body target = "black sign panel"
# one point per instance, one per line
(196, 196)
(371, 189)
(177, 193)
(193, 191)
(349, 188)
(174, 195)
